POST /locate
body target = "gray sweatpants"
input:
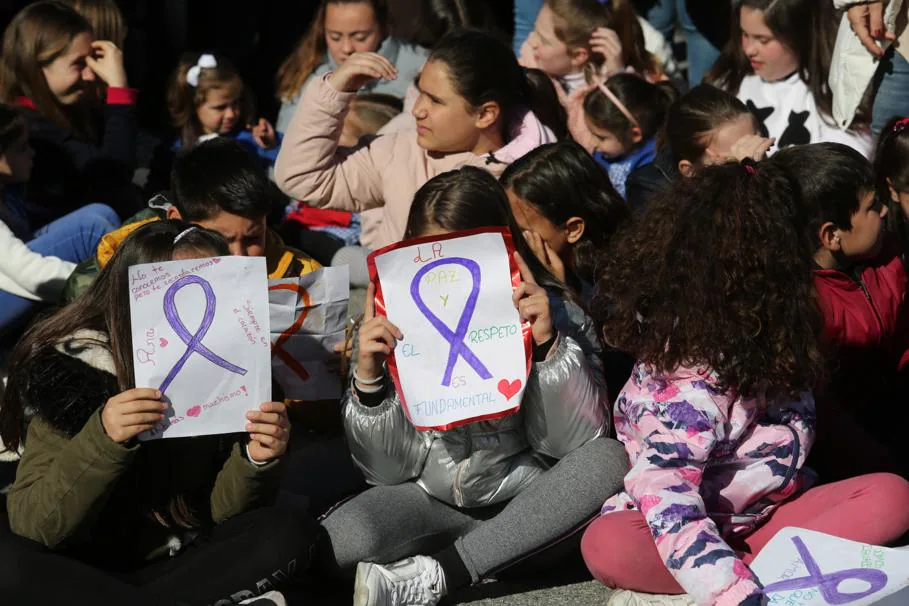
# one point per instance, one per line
(388, 523)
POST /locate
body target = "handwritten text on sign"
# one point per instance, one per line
(201, 335)
(308, 319)
(463, 355)
(805, 568)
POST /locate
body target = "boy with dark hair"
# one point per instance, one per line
(219, 186)
(861, 288)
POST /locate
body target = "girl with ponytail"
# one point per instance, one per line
(477, 107)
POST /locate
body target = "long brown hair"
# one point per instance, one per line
(311, 48)
(717, 272)
(105, 18)
(183, 99)
(104, 308)
(35, 37)
(806, 27)
(576, 20)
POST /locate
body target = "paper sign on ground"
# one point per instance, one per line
(200, 332)
(308, 318)
(464, 356)
(806, 568)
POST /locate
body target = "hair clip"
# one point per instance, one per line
(183, 233)
(900, 125)
(619, 105)
(750, 166)
(205, 61)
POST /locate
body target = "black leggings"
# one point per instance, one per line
(242, 558)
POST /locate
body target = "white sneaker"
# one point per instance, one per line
(626, 597)
(416, 581)
(271, 598)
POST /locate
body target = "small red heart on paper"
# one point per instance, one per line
(162, 342)
(216, 260)
(195, 411)
(509, 389)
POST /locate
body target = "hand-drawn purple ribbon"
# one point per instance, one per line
(455, 338)
(829, 583)
(193, 342)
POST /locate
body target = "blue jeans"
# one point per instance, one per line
(525, 15)
(73, 237)
(892, 97)
(701, 53)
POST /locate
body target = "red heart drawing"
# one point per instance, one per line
(195, 411)
(162, 342)
(216, 260)
(509, 390)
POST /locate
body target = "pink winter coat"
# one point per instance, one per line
(707, 466)
(386, 172)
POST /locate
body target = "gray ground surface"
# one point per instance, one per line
(582, 593)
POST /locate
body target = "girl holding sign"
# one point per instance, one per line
(712, 292)
(114, 520)
(477, 107)
(485, 495)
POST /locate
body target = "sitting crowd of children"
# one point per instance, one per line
(714, 281)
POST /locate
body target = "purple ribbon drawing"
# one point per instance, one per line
(829, 583)
(455, 338)
(193, 342)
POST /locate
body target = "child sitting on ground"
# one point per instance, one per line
(115, 520)
(861, 287)
(711, 290)
(35, 264)
(450, 508)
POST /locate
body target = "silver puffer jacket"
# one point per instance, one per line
(565, 405)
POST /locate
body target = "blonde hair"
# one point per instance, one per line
(372, 111)
(37, 36)
(184, 99)
(576, 20)
(311, 49)
(105, 18)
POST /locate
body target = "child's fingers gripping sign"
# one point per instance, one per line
(269, 431)
(378, 338)
(128, 414)
(532, 303)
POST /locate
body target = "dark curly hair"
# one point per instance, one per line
(717, 272)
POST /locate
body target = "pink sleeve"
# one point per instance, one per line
(312, 169)
(665, 485)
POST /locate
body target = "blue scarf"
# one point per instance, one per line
(620, 168)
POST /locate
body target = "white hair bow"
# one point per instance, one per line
(205, 61)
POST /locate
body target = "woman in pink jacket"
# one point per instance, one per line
(476, 107)
(712, 291)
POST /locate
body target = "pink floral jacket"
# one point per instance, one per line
(706, 466)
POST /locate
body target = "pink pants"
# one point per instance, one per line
(874, 508)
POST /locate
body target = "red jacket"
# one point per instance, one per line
(865, 312)
(865, 320)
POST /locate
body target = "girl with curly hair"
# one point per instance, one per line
(711, 290)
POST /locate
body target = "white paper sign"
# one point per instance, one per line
(806, 568)
(463, 357)
(201, 335)
(308, 318)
